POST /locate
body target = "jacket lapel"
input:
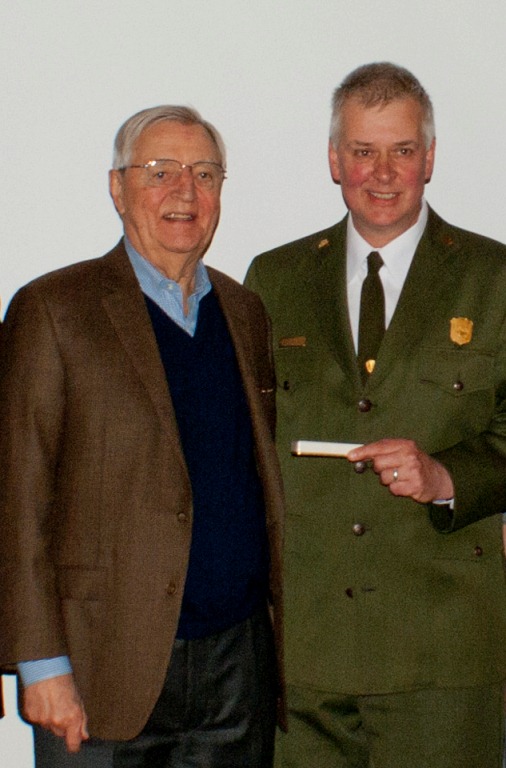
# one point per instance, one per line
(327, 284)
(124, 305)
(240, 331)
(429, 278)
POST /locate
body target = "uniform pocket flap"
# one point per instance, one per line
(457, 371)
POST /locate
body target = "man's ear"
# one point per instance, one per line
(334, 164)
(429, 161)
(116, 190)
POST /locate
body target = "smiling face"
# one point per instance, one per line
(382, 165)
(172, 226)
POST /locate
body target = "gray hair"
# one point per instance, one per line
(135, 125)
(381, 83)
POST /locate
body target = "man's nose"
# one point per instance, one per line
(184, 185)
(384, 168)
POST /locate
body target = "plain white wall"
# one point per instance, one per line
(263, 72)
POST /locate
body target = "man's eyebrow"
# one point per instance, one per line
(403, 143)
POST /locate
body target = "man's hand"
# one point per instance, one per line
(56, 705)
(406, 470)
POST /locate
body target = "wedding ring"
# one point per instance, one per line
(396, 475)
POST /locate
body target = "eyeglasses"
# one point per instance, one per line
(164, 173)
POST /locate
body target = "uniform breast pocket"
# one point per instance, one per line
(298, 391)
(459, 386)
(457, 371)
(295, 368)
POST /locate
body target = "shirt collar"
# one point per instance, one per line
(397, 255)
(153, 282)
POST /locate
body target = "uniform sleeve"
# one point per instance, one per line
(478, 465)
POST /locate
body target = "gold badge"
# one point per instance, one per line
(461, 330)
(369, 365)
(323, 243)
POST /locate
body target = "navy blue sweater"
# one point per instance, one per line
(228, 571)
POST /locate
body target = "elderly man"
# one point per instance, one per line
(390, 334)
(140, 491)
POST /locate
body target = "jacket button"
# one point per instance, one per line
(478, 551)
(171, 588)
(182, 517)
(348, 592)
(458, 386)
(358, 529)
(286, 385)
(364, 405)
(359, 467)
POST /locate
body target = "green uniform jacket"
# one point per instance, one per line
(383, 593)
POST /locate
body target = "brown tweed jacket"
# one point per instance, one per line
(95, 499)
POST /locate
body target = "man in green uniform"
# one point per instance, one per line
(390, 333)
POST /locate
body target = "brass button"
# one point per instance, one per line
(478, 551)
(182, 517)
(458, 386)
(359, 467)
(349, 592)
(358, 529)
(364, 405)
(171, 588)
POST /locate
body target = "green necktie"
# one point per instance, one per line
(371, 325)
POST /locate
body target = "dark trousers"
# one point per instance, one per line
(443, 728)
(217, 709)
